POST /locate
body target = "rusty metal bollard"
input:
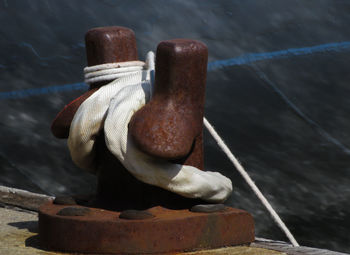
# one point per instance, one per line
(103, 45)
(117, 188)
(173, 122)
(173, 119)
(178, 135)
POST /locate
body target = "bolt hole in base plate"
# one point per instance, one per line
(160, 230)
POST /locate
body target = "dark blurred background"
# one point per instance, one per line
(279, 97)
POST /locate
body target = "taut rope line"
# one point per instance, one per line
(249, 181)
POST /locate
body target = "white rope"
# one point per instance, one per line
(250, 182)
(112, 71)
(90, 69)
(286, 248)
(109, 77)
(110, 108)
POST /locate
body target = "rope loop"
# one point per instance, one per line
(110, 108)
(130, 71)
(112, 71)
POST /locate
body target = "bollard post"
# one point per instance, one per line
(117, 188)
(103, 45)
(180, 83)
(168, 127)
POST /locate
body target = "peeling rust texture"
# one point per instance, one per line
(61, 124)
(102, 231)
(170, 125)
(187, 58)
(109, 45)
(103, 45)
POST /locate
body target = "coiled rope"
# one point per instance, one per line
(107, 72)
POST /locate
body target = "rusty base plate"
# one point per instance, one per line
(103, 231)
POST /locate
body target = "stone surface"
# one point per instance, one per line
(19, 233)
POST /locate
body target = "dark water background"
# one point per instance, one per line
(299, 157)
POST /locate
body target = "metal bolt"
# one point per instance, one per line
(73, 211)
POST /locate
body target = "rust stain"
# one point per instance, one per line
(170, 127)
(102, 231)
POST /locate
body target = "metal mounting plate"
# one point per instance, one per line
(102, 231)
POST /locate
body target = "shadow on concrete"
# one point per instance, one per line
(31, 226)
(34, 242)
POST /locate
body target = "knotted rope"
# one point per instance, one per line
(113, 105)
(110, 108)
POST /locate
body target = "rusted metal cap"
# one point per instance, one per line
(103, 45)
(110, 45)
(168, 126)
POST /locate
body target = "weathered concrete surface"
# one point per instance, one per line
(19, 228)
(18, 233)
(237, 250)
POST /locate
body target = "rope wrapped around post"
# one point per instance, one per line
(143, 138)
(111, 108)
(106, 71)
